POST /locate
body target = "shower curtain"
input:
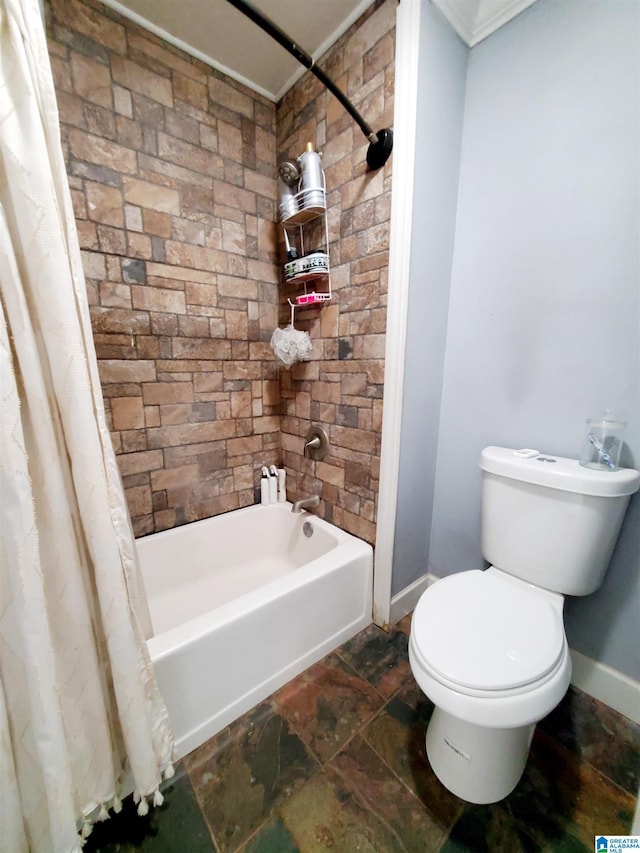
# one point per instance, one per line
(79, 705)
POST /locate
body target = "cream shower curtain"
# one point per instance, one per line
(79, 705)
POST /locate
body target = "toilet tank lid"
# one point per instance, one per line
(558, 472)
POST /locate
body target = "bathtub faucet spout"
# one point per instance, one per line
(306, 503)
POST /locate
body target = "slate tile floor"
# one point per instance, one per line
(335, 761)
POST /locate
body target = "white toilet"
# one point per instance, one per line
(488, 647)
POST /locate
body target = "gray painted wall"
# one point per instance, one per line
(441, 84)
(544, 317)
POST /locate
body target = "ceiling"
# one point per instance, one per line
(220, 35)
(474, 20)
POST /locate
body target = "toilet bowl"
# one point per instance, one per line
(491, 653)
(489, 647)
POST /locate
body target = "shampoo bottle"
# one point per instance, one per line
(264, 486)
(273, 485)
(312, 180)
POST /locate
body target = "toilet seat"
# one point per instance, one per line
(485, 634)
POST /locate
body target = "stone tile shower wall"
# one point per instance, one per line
(172, 173)
(172, 168)
(341, 387)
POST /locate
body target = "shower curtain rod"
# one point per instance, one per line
(381, 143)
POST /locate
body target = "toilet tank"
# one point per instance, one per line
(548, 520)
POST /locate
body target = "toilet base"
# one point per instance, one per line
(477, 764)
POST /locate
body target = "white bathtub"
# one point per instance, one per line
(243, 602)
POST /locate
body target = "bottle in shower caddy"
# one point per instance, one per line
(312, 187)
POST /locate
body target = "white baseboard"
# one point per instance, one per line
(604, 683)
(610, 686)
(405, 600)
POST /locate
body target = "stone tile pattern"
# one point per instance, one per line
(172, 174)
(341, 387)
(362, 718)
(336, 761)
(172, 170)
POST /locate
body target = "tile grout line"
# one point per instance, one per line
(361, 732)
(212, 836)
(369, 806)
(576, 756)
(274, 813)
(413, 794)
(322, 764)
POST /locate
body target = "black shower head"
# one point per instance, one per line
(379, 151)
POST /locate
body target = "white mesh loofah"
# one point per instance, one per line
(291, 345)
